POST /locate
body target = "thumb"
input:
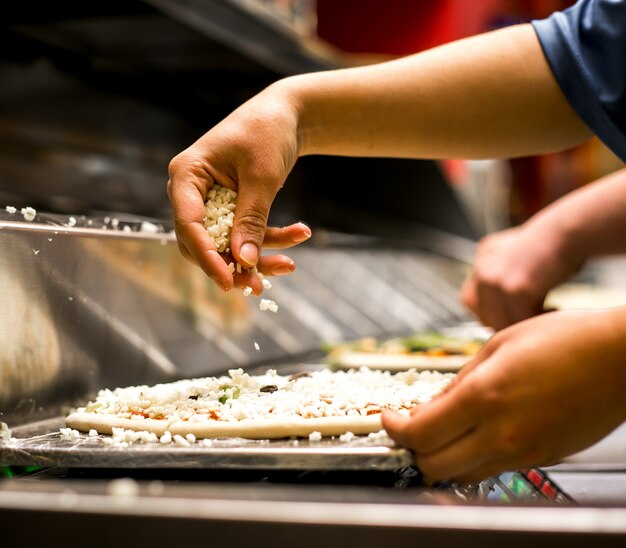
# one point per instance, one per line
(254, 200)
(396, 426)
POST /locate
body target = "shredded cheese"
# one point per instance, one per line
(240, 396)
(219, 210)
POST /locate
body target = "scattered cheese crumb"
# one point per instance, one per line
(166, 438)
(267, 304)
(379, 436)
(11, 209)
(115, 222)
(149, 227)
(123, 487)
(256, 346)
(69, 434)
(247, 291)
(347, 437)
(93, 433)
(36, 251)
(29, 213)
(266, 283)
(315, 436)
(180, 441)
(71, 221)
(231, 268)
(127, 228)
(190, 438)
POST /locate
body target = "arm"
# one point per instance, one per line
(491, 95)
(514, 269)
(539, 391)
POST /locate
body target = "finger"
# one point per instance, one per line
(287, 236)
(187, 197)
(269, 265)
(464, 454)
(491, 306)
(247, 278)
(433, 425)
(250, 223)
(276, 265)
(468, 294)
(205, 255)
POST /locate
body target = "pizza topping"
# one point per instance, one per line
(299, 375)
(426, 343)
(242, 396)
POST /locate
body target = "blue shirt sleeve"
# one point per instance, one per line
(585, 46)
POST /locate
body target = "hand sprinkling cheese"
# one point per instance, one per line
(219, 210)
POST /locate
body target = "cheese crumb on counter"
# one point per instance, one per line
(149, 227)
(123, 487)
(29, 213)
(11, 209)
(315, 436)
(378, 437)
(347, 437)
(69, 434)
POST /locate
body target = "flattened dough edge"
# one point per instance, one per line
(401, 362)
(247, 428)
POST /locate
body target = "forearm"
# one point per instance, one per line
(589, 222)
(491, 95)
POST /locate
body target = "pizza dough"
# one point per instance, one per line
(247, 428)
(575, 296)
(261, 406)
(421, 351)
(402, 362)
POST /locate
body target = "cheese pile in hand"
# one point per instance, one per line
(219, 211)
(219, 215)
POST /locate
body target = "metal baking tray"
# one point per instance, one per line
(40, 444)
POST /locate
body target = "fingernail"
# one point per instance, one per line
(249, 254)
(303, 237)
(284, 270)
